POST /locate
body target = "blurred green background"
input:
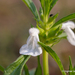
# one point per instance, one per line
(15, 21)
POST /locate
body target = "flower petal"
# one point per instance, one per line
(32, 47)
(69, 24)
(71, 40)
(70, 34)
(28, 51)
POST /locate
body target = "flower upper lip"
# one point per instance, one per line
(68, 24)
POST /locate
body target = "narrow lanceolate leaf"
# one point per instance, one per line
(32, 7)
(69, 17)
(38, 69)
(26, 70)
(71, 69)
(42, 4)
(16, 67)
(54, 56)
(1, 68)
(45, 4)
(52, 4)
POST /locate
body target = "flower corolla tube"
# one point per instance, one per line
(67, 27)
(32, 48)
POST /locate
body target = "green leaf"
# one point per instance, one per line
(42, 4)
(1, 68)
(52, 19)
(26, 70)
(54, 56)
(42, 34)
(69, 17)
(60, 32)
(45, 4)
(38, 69)
(41, 30)
(74, 68)
(32, 7)
(52, 4)
(71, 67)
(51, 22)
(41, 14)
(53, 32)
(16, 67)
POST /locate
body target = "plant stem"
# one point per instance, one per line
(45, 54)
(45, 63)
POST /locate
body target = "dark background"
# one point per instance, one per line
(15, 21)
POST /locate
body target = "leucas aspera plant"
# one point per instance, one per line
(41, 38)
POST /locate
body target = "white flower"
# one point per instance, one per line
(32, 48)
(67, 27)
